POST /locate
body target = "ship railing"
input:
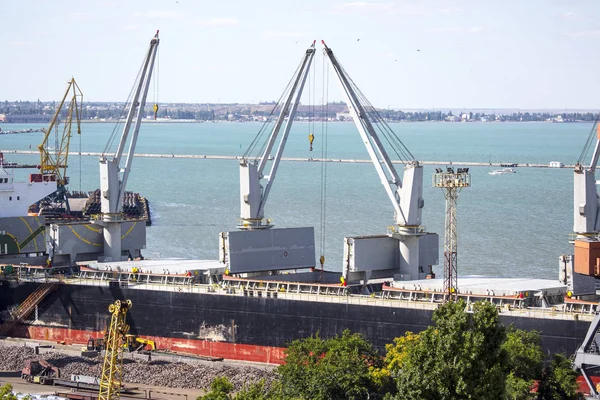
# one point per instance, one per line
(250, 287)
(502, 302)
(128, 277)
(580, 307)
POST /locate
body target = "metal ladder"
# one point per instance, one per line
(28, 306)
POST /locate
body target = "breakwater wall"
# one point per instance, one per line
(341, 160)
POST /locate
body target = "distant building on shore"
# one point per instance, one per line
(27, 118)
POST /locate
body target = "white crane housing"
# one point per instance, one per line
(113, 176)
(586, 204)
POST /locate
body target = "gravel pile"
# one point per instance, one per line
(155, 373)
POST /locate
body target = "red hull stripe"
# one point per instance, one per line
(231, 351)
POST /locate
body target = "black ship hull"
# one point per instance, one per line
(238, 327)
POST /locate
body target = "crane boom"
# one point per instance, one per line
(112, 184)
(253, 196)
(406, 199)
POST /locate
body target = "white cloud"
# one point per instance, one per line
(366, 6)
(569, 14)
(219, 22)
(459, 29)
(275, 35)
(157, 14)
(21, 43)
(131, 27)
(590, 33)
(448, 10)
(78, 16)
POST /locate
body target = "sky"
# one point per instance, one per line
(432, 54)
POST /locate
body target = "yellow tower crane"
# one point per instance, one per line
(53, 163)
(56, 163)
(112, 368)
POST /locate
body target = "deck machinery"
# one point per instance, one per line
(405, 253)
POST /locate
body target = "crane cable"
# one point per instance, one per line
(128, 103)
(262, 137)
(156, 85)
(324, 125)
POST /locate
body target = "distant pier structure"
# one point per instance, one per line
(451, 182)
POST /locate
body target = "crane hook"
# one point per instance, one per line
(311, 138)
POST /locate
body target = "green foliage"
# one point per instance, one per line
(519, 388)
(336, 368)
(525, 362)
(220, 389)
(559, 381)
(7, 394)
(395, 356)
(459, 357)
(259, 391)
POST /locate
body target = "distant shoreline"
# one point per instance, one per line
(176, 121)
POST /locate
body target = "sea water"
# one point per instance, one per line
(512, 225)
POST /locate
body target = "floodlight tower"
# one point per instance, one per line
(451, 183)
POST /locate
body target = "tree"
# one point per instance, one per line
(6, 393)
(260, 391)
(220, 389)
(559, 381)
(336, 368)
(525, 362)
(394, 358)
(459, 357)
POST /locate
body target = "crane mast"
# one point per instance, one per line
(113, 177)
(57, 163)
(253, 196)
(418, 250)
(111, 378)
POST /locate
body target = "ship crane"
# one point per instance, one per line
(257, 247)
(53, 165)
(253, 194)
(113, 176)
(586, 204)
(418, 249)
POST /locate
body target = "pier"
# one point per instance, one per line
(2, 132)
(340, 160)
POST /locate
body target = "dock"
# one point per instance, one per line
(303, 159)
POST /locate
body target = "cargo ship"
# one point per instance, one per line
(266, 289)
(255, 319)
